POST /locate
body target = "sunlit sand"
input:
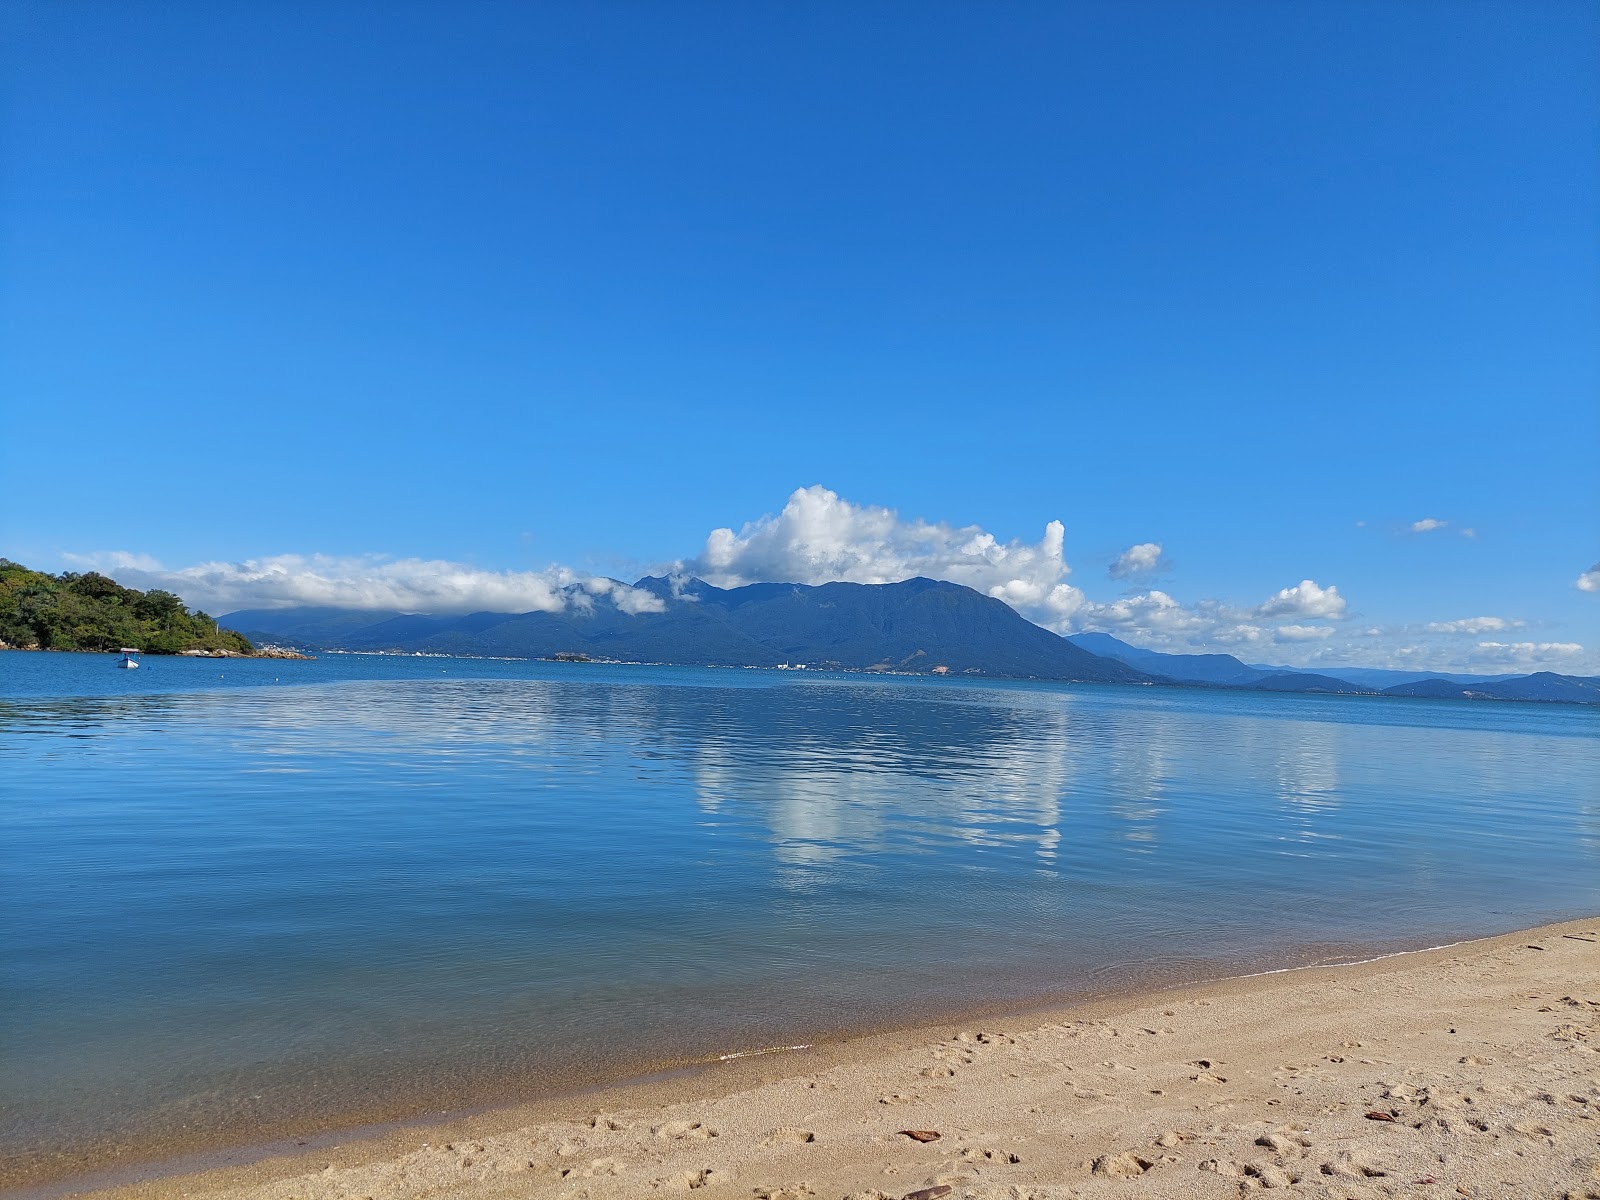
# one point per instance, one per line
(1464, 1071)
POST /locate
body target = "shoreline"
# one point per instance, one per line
(283, 653)
(357, 1157)
(157, 1154)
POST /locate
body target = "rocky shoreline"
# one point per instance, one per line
(258, 652)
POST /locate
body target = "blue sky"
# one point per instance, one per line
(522, 287)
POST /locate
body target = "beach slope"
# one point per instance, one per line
(1470, 1071)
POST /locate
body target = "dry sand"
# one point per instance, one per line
(1467, 1071)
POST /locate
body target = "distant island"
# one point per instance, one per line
(91, 612)
(918, 626)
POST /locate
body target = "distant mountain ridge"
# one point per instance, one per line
(1187, 668)
(921, 626)
(1224, 670)
(917, 625)
(1541, 685)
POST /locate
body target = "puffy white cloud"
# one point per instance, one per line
(1155, 619)
(1153, 614)
(820, 537)
(1304, 599)
(1302, 633)
(1428, 525)
(368, 582)
(1137, 560)
(1524, 654)
(1473, 625)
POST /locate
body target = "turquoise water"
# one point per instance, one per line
(244, 897)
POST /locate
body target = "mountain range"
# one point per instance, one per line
(919, 625)
(1224, 670)
(922, 626)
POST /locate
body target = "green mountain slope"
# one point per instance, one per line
(91, 612)
(917, 625)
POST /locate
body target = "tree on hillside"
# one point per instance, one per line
(90, 611)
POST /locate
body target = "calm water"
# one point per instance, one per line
(247, 897)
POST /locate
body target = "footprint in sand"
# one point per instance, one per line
(675, 1131)
(1352, 1164)
(1121, 1166)
(973, 1154)
(789, 1137)
(785, 1191)
(692, 1180)
(938, 1072)
(1268, 1175)
(595, 1169)
(1285, 1142)
(606, 1123)
(899, 1098)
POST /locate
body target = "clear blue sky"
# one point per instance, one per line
(520, 284)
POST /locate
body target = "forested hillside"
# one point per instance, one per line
(91, 612)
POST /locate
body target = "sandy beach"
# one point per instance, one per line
(1471, 1070)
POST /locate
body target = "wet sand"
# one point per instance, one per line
(1471, 1070)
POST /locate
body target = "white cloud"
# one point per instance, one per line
(1473, 625)
(1428, 525)
(1305, 599)
(1303, 633)
(1524, 654)
(1137, 560)
(1158, 621)
(819, 537)
(367, 582)
(1469, 533)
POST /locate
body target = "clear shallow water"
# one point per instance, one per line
(245, 897)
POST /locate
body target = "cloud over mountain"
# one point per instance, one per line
(1303, 633)
(820, 537)
(1473, 625)
(1137, 560)
(1523, 654)
(367, 582)
(1159, 621)
(1304, 599)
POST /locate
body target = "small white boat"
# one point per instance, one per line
(128, 660)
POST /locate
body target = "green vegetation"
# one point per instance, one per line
(91, 612)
